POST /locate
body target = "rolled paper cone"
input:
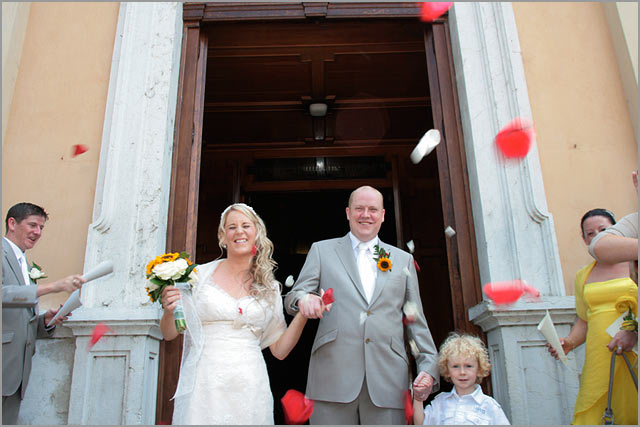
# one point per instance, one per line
(551, 335)
(70, 304)
(450, 232)
(411, 246)
(427, 143)
(102, 269)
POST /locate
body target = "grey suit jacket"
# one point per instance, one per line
(357, 338)
(21, 324)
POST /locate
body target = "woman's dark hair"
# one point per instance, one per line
(597, 212)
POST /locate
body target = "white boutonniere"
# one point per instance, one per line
(36, 273)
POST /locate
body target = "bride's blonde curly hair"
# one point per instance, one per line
(264, 284)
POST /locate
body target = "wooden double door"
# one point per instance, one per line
(244, 132)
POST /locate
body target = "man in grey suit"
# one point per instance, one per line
(359, 366)
(21, 323)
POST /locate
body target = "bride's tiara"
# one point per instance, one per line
(236, 205)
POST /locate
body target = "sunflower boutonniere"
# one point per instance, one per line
(382, 259)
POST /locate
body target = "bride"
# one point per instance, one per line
(234, 313)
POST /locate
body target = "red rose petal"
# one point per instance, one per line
(297, 408)
(408, 406)
(514, 140)
(508, 292)
(254, 250)
(327, 297)
(433, 10)
(79, 149)
(417, 266)
(97, 333)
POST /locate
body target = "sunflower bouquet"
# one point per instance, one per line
(171, 269)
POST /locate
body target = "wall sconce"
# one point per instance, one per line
(318, 109)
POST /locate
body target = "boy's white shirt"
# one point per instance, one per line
(470, 409)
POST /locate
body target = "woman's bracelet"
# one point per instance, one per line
(629, 322)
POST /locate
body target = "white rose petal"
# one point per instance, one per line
(289, 282)
(363, 317)
(411, 246)
(193, 277)
(410, 310)
(414, 348)
(450, 232)
(406, 271)
(152, 286)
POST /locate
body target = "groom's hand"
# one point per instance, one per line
(310, 306)
(422, 386)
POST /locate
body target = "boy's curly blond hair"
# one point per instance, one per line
(464, 345)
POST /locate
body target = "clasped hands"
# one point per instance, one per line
(312, 307)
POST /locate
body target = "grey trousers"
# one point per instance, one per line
(360, 411)
(11, 408)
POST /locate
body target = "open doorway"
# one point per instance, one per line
(245, 93)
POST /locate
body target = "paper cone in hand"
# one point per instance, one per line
(70, 304)
(102, 269)
(551, 335)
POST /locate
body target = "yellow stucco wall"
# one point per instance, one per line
(584, 134)
(59, 100)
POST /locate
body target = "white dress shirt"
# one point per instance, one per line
(22, 261)
(471, 409)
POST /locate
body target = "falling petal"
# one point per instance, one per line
(417, 266)
(514, 140)
(289, 282)
(363, 317)
(327, 297)
(433, 10)
(408, 406)
(97, 333)
(406, 271)
(411, 246)
(450, 232)
(79, 149)
(508, 292)
(410, 309)
(427, 143)
(254, 250)
(297, 407)
(414, 348)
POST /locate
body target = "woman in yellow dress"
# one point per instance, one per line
(603, 293)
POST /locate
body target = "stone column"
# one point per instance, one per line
(115, 382)
(514, 231)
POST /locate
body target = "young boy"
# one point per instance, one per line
(464, 361)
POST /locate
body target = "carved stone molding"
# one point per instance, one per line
(132, 191)
(514, 230)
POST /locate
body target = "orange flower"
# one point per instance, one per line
(384, 264)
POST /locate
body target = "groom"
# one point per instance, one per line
(359, 366)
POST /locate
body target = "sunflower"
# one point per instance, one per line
(384, 264)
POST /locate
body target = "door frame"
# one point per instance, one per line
(452, 166)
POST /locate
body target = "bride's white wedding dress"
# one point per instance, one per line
(230, 381)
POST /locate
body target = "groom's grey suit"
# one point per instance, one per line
(357, 338)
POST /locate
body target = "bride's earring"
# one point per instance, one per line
(224, 245)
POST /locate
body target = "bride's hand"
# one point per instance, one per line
(170, 297)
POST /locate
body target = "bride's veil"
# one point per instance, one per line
(193, 339)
